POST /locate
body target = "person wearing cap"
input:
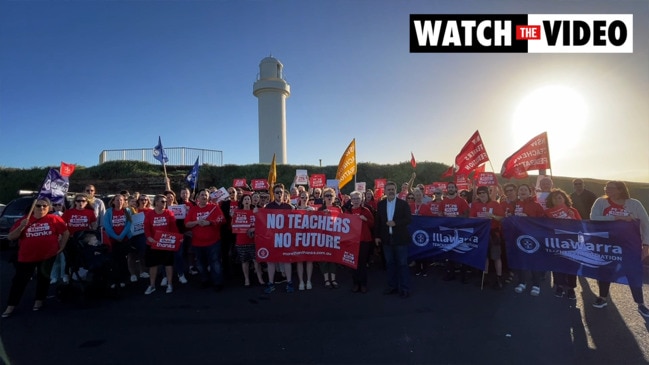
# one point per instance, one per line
(484, 207)
(582, 198)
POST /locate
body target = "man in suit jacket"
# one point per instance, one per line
(391, 228)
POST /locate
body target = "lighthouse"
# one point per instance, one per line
(271, 91)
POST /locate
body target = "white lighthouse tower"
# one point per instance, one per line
(271, 91)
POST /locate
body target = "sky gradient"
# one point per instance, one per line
(82, 77)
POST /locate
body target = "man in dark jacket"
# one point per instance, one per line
(391, 229)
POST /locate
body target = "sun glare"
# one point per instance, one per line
(557, 109)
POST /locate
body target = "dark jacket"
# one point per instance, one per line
(401, 218)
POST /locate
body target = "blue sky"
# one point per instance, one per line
(79, 77)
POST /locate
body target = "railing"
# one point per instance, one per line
(178, 156)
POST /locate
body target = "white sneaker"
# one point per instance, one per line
(301, 286)
(520, 288)
(149, 289)
(144, 275)
(309, 286)
(535, 291)
(163, 282)
(66, 279)
(122, 285)
(53, 281)
(133, 278)
(182, 279)
(170, 289)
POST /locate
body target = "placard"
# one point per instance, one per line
(317, 181)
(360, 186)
(301, 177)
(137, 223)
(180, 211)
(259, 184)
(242, 220)
(239, 183)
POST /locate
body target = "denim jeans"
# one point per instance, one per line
(209, 256)
(396, 262)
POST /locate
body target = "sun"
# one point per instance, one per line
(557, 109)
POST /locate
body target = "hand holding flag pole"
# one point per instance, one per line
(160, 155)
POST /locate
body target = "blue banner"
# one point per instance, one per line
(55, 187)
(159, 152)
(603, 250)
(463, 240)
(192, 176)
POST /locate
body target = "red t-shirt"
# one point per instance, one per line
(529, 207)
(164, 222)
(119, 221)
(79, 219)
(366, 230)
(454, 207)
(40, 239)
(616, 210)
(203, 236)
(562, 212)
(431, 209)
(483, 210)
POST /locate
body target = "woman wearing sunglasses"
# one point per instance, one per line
(41, 237)
(329, 268)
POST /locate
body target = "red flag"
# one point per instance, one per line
(449, 172)
(412, 160)
(66, 169)
(534, 155)
(472, 155)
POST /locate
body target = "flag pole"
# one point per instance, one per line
(167, 182)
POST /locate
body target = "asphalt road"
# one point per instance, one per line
(441, 323)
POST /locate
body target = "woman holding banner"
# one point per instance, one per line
(159, 219)
(526, 207)
(245, 239)
(329, 268)
(484, 207)
(558, 205)
(303, 204)
(41, 237)
(616, 204)
(359, 275)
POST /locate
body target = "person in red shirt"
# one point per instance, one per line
(80, 218)
(329, 268)
(359, 275)
(205, 219)
(454, 206)
(559, 206)
(245, 242)
(159, 219)
(41, 237)
(526, 206)
(484, 207)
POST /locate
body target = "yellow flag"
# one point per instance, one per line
(272, 174)
(347, 165)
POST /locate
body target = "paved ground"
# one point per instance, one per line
(442, 322)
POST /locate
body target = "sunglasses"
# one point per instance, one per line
(81, 201)
(410, 198)
(279, 192)
(328, 196)
(41, 205)
(89, 191)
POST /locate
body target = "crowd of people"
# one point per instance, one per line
(211, 250)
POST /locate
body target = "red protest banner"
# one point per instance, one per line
(317, 181)
(66, 169)
(167, 241)
(259, 184)
(294, 236)
(534, 155)
(472, 155)
(242, 220)
(487, 179)
(239, 183)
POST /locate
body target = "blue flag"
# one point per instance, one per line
(464, 240)
(159, 152)
(603, 250)
(192, 176)
(55, 187)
